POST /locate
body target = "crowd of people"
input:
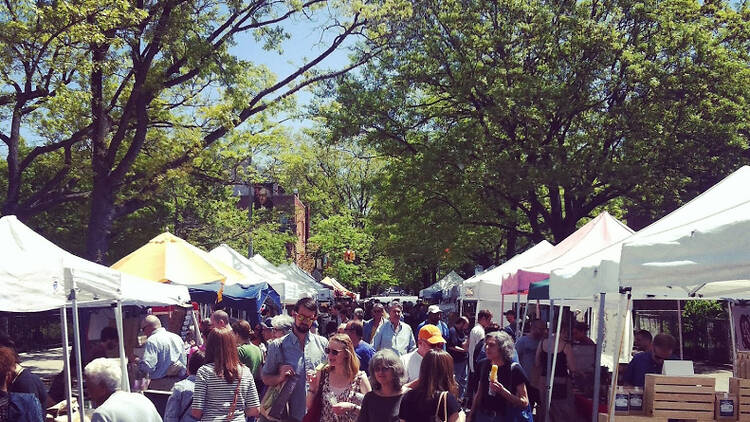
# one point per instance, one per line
(341, 368)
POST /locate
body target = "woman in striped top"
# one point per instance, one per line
(224, 388)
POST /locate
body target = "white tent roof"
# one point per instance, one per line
(32, 276)
(487, 284)
(444, 285)
(258, 270)
(704, 241)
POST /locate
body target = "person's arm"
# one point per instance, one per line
(570, 357)
(317, 379)
(520, 399)
(412, 343)
(199, 392)
(252, 401)
(378, 338)
(364, 384)
(274, 373)
(172, 411)
(147, 365)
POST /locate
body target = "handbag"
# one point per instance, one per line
(232, 408)
(313, 413)
(443, 398)
(272, 393)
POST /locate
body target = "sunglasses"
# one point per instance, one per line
(302, 318)
(333, 352)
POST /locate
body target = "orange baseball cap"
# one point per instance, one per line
(431, 334)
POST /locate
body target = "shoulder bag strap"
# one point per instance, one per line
(232, 408)
(445, 405)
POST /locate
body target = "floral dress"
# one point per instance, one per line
(331, 395)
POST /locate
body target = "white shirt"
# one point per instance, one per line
(412, 361)
(126, 407)
(475, 336)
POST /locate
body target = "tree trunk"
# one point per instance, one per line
(100, 222)
(10, 206)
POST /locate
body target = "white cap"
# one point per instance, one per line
(433, 309)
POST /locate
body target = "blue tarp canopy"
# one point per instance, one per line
(539, 290)
(239, 297)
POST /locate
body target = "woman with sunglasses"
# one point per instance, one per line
(340, 385)
(435, 391)
(387, 375)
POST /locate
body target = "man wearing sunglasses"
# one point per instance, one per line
(429, 338)
(295, 355)
(371, 326)
(650, 362)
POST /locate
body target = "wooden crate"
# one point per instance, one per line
(679, 397)
(603, 417)
(740, 387)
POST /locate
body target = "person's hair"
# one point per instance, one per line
(463, 320)
(109, 333)
(6, 341)
(395, 304)
(645, 334)
(104, 371)
(242, 329)
(357, 327)
(220, 316)
(484, 314)
(581, 326)
(510, 312)
(197, 359)
(359, 313)
(152, 321)
(504, 343)
(221, 350)
(387, 358)
(377, 305)
(352, 361)
(492, 328)
(308, 303)
(7, 363)
(664, 341)
(436, 374)
(538, 323)
(282, 322)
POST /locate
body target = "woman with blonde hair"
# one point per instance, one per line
(435, 392)
(340, 385)
(224, 388)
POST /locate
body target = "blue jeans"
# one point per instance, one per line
(460, 371)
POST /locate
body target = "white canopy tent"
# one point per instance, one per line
(37, 275)
(258, 270)
(443, 285)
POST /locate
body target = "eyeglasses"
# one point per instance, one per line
(302, 318)
(333, 352)
(381, 369)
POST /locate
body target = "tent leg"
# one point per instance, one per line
(125, 381)
(621, 327)
(547, 382)
(733, 336)
(71, 281)
(538, 310)
(66, 360)
(502, 308)
(679, 328)
(551, 375)
(525, 315)
(598, 364)
(518, 314)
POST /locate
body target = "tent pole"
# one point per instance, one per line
(125, 381)
(502, 308)
(525, 315)
(538, 310)
(66, 361)
(518, 313)
(71, 281)
(679, 327)
(551, 375)
(733, 336)
(547, 383)
(598, 364)
(621, 327)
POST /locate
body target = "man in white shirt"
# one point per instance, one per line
(394, 334)
(103, 385)
(484, 319)
(429, 338)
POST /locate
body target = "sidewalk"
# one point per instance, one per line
(45, 363)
